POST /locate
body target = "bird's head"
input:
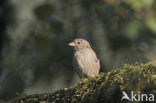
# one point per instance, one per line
(80, 44)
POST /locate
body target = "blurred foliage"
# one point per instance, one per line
(36, 33)
(44, 10)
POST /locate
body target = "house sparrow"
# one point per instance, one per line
(85, 60)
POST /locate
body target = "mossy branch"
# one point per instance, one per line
(103, 88)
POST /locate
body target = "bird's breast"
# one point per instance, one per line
(83, 58)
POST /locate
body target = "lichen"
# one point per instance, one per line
(103, 88)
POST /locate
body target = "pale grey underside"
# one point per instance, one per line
(86, 63)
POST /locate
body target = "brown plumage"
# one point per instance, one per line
(85, 60)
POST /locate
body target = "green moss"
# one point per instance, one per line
(103, 88)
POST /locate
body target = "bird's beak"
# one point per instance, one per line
(72, 44)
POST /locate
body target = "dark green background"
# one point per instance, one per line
(34, 34)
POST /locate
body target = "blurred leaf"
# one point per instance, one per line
(57, 26)
(43, 11)
(132, 29)
(45, 46)
(151, 23)
(137, 5)
(11, 61)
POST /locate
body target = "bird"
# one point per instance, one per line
(85, 61)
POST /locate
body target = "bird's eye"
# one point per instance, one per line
(78, 42)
